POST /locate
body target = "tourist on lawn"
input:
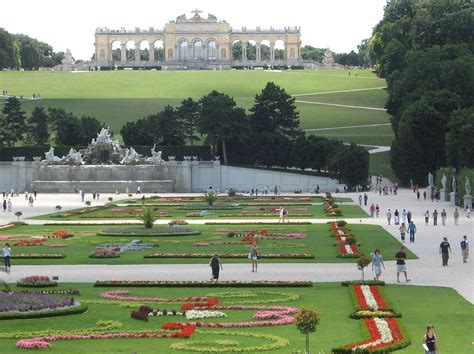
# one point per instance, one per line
(389, 216)
(464, 249)
(412, 231)
(403, 231)
(443, 217)
(456, 216)
(429, 341)
(143, 199)
(377, 264)
(4, 205)
(445, 250)
(6, 253)
(426, 214)
(377, 210)
(372, 210)
(396, 217)
(216, 266)
(9, 205)
(401, 256)
(254, 257)
(435, 218)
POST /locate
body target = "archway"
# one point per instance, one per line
(198, 50)
(251, 50)
(279, 51)
(182, 50)
(265, 50)
(116, 50)
(237, 50)
(144, 50)
(211, 49)
(130, 50)
(159, 50)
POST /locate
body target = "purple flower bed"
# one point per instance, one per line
(24, 302)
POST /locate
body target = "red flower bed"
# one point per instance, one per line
(37, 242)
(61, 234)
(211, 302)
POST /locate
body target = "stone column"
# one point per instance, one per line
(272, 51)
(123, 52)
(108, 54)
(151, 52)
(137, 51)
(257, 54)
(244, 51)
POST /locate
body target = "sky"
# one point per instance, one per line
(337, 24)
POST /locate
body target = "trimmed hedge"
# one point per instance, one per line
(45, 313)
(155, 231)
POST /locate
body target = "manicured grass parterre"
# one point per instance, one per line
(314, 239)
(453, 323)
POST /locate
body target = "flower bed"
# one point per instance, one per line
(232, 255)
(36, 281)
(37, 256)
(60, 234)
(300, 215)
(177, 222)
(118, 296)
(348, 251)
(141, 231)
(200, 284)
(369, 298)
(107, 253)
(56, 291)
(257, 223)
(210, 207)
(33, 242)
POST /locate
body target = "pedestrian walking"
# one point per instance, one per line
(443, 217)
(401, 257)
(360, 200)
(30, 200)
(409, 216)
(404, 216)
(435, 218)
(445, 250)
(372, 210)
(6, 253)
(35, 193)
(468, 211)
(83, 195)
(426, 214)
(464, 249)
(366, 198)
(253, 255)
(417, 195)
(138, 190)
(396, 217)
(377, 210)
(424, 195)
(377, 264)
(429, 341)
(412, 231)
(4, 204)
(9, 205)
(389, 216)
(456, 216)
(403, 231)
(216, 266)
(283, 215)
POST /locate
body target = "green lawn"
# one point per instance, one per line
(449, 312)
(318, 243)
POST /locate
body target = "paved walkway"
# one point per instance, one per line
(426, 270)
(341, 105)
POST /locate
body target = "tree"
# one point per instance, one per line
(220, 120)
(18, 214)
(363, 262)
(16, 55)
(210, 197)
(90, 126)
(460, 151)
(148, 217)
(306, 320)
(15, 120)
(38, 131)
(169, 127)
(351, 164)
(188, 113)
(139, 132)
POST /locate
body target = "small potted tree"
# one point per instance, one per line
(88, 203)
(307, 319)
(148, 217)
(362, 262)
(18, 214)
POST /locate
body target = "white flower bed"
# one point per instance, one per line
(385, 334)
(197, 314)
(369, 297)
(348, 249)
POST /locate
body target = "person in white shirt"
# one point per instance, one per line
(6, 253)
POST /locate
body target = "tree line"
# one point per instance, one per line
(268, 135)
(21, 51)
(424, 49)
(43, 127)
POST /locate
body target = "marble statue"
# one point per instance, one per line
(430, 180)
(467, 186)
(131, 156)
(155, 158)
(73, 157)
(444, 180)
(49, 156)
(454, 184)
(328, 58)
(181, 18)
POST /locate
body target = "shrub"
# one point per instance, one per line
(88, 203)
(148, 217)
(232, 192)
(341, 223)
(139, 315)
(210, 198)
(362, 262)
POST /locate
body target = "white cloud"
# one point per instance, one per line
(338, 24)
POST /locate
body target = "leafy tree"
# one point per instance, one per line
(363, 262)
(6, 50)
(16, 55)
(306, 320)
(188, 114)
(14, 119)
(351, 164)
(237, 51)
(139, 132)
(459, 147)
(311, 53)
(169, 127)
(210, 197)
(90, 126)
(38, 131)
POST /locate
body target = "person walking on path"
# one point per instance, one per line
(464, 249)
(366, 198)
(377, 264)
(401, 256)
(404, 216)
(9, 205)
(468, 211)
(456, 216)
(443, 217)
(409, 216)
(360, 200)
(418, 195)
(6, 253)
(35, 193)
(424, 195)
(445, 250)
(435, 218)
(426, 214)
(254, 257)
(30, 200)
(403, 231)
(429, 341)
(372, 210)
(412, 231)
(396, 217)
(377, 210)
(216, 266)
(389, 216)
(283, 215)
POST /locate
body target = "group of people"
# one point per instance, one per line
(216, 264)
(400, 256)
(443, 215)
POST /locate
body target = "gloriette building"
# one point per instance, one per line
(198, 43)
